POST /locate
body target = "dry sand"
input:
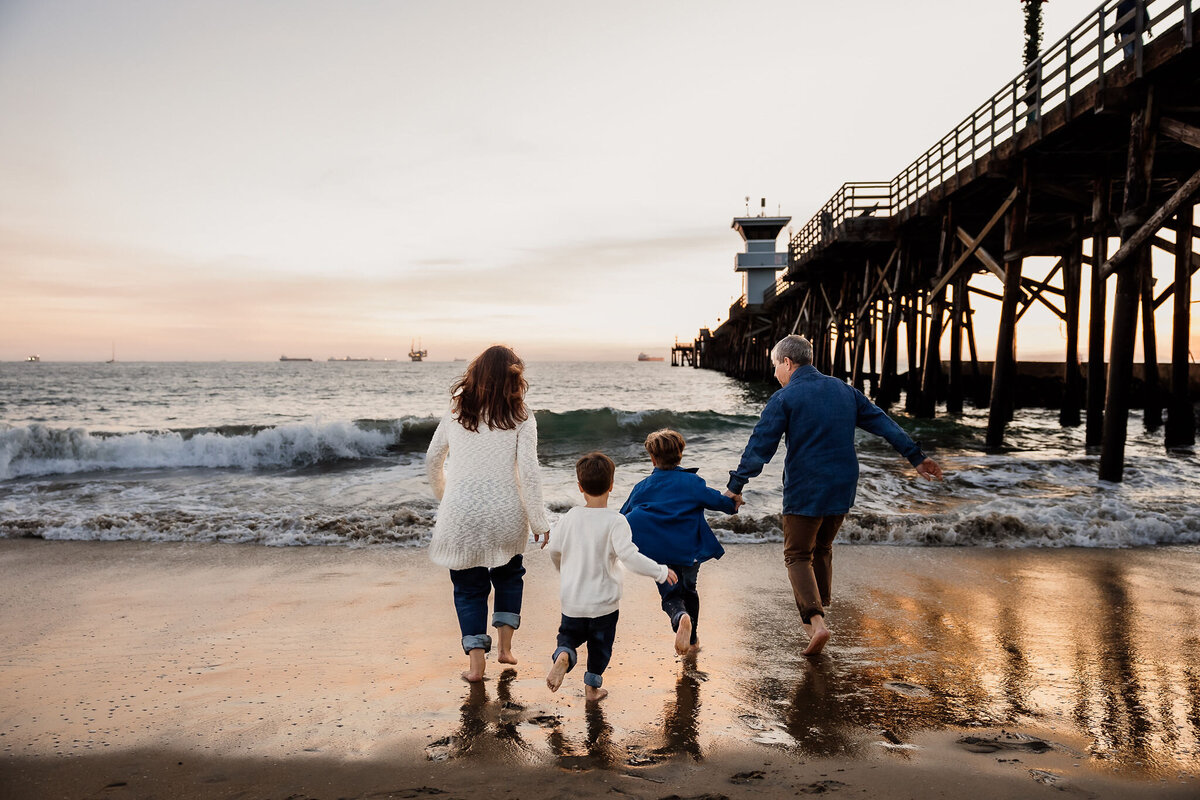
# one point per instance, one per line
(176, 670)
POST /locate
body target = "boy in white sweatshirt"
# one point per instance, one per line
(585, 547)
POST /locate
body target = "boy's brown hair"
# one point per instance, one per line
(595, 473)
(665, 447)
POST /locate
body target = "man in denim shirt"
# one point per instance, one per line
(818, 414)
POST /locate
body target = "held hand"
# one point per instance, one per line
(672, 578)
(738, 502)
(929, 470)
(545, 539)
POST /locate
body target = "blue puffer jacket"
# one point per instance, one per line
(666, 512)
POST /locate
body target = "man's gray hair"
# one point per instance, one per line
(797, 348)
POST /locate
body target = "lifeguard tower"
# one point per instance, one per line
(760, 262)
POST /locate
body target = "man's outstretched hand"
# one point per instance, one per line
(738, 502)
(929, 470)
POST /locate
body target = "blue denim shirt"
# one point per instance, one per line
(818, 414)
(666, 512)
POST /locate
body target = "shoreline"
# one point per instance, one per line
(333, 672)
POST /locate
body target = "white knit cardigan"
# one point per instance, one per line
(490, 489)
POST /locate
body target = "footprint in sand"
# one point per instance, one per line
(768, 733)
(1056, 781)
(642, 759)
(777, 736)
(753, 723)
(821, 787)
(1005, 741)
(745, 777)
(546, 720)
(906, 689)
(1043, 777)
(441, 750)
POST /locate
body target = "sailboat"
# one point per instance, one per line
(113, 360)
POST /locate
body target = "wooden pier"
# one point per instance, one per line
(1097, 140)
(683, 354)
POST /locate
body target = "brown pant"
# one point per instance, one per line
(808, 554)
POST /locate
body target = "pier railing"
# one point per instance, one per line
(737, 307)
(779, 287)
(1085, 55)
(860, 199)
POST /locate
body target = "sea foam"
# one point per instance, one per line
(37, 450)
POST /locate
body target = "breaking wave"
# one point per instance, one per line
(37, 450)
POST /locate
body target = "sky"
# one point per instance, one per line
(214, 180)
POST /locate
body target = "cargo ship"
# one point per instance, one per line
(644, 357)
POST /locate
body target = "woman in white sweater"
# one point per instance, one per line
(483, 467)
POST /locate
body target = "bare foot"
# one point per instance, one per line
(558, 671)
(478, 662)
(474, 674)
(817, 643)
(594, 695)
(683, 636)
(504, 647)
(694, 648)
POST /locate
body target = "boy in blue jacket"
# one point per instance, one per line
(666, 513)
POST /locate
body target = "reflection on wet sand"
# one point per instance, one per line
(1070, 644)
(1123, 721)
(492, 730)
(680, 719)
(597, 749)
(485, 728)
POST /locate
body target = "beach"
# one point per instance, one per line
(133, 669)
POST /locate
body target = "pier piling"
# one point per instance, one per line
(1181, 419)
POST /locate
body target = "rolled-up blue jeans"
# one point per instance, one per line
(598, 633)
(471, 589)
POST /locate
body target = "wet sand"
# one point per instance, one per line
(177, 670)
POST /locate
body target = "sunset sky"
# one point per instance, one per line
(236, 180)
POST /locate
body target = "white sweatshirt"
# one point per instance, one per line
(585, 547)
(490, 491)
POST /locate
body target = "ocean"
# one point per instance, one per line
(332, 454)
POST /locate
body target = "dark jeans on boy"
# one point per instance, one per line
(598, 633)
(682, 598)
(471, 589)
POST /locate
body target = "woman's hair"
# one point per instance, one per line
(491, 391)
(665, 447)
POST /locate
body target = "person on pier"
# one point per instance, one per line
(819, 415)
(1126, 31)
